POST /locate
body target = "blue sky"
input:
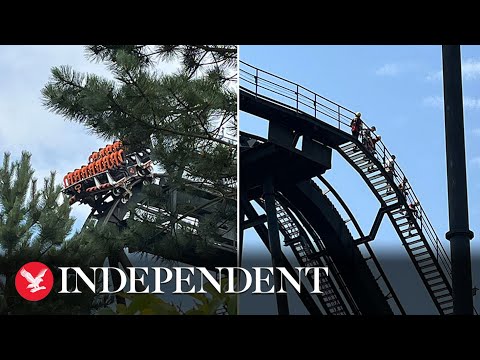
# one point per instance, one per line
(398, 89)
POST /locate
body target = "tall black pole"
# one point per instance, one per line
(241, 230)
(274, 242)
(459, 233)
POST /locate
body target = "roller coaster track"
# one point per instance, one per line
(306, 236)
(281, 101)
(307, 254)
(116, 209)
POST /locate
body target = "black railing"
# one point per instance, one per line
(301, 99)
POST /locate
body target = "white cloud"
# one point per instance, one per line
(388, 70)
(471, 103)
(433, 76)
(433, 101)
(470, 71)
(437, 102)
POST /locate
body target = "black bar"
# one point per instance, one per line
(459, 233)
(240, 238)
(247, 224)
(126, 263)
(113, 262)
(274, 242)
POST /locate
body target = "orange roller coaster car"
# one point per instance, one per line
(108, 168)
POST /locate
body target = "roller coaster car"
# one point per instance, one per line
(117, 179)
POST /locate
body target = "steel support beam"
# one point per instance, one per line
(459, 233)
(274, 242)
(262, 232)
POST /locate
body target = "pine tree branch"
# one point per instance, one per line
(142, 93)
(208, 136)
(219, 50)
(197, 66)
(160, 128)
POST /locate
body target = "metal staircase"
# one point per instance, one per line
(306, 255)
(417, 235)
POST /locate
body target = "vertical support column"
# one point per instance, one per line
(459, 233)
(240, 228)
(274, 242)
(113, 262)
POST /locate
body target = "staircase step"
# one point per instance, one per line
(376, 176)
(418, 247)
(421, 254)
(424, 260)
(358, 156)
(431, 272)
(387, 200)
(414, 242)
(365, 165)
(448, 308)
(440, 290)
(371, 171)
(352, 148)
(445, 302)
(443, 296)
(347, 146)
(388, 193)
(381, 188)
(436, 284)
(400, 217)
(411, 236)
(382, 181)
(350, 154)
(428, 266)
(379, 183)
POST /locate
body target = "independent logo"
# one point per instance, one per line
(34, 281)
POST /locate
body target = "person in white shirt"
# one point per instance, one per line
(369, 140)
(390, 169)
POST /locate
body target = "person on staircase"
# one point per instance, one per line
(390, 169)
(356, 125)
(369, 140)
(414, 209)
(403, 187)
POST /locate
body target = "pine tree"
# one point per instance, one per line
(185, 117)
(34, 226)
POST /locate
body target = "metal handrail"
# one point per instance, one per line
(305, 100)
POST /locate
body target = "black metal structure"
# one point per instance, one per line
(120, 197)
(307, 219)
(459, 233)
(116, 210)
